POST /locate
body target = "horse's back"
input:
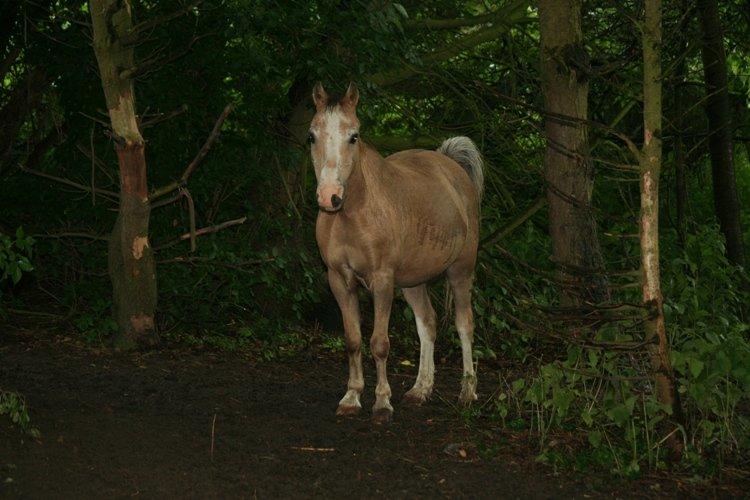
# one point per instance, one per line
(430, 174)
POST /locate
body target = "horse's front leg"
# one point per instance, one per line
(344, 288)
(382, 292)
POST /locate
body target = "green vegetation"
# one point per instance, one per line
(13, 405)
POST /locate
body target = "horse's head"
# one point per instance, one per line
(333, 137)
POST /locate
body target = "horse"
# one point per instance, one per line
(400, 221)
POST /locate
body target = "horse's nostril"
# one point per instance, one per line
(336, 201)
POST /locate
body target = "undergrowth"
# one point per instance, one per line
(14, 406)
(608, 395)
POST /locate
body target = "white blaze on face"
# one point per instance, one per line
(330, 160)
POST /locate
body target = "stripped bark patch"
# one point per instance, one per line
(139, 244)
(142, 322)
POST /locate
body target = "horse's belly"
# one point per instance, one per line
(425, 260)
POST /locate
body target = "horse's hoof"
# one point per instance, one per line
(467, 398)
(468, 390)
(348, 410)
(414, 398)
(382, 416)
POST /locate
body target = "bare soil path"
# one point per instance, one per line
(142, 425)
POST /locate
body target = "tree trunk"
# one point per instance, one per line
(131, 261)
(568, 170)
(681, 193)
(719, 111)
(650, 163)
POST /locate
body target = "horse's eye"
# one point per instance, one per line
(353, 138)
(310, 138)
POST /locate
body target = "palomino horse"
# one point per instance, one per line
(397, 221)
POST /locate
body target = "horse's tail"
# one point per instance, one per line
(464, 152)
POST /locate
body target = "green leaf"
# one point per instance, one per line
(696, 366)
(401, 10)
(595, 438)
(15, 273)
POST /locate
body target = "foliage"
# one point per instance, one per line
(15, 255)
(610, 395)
(14, 406)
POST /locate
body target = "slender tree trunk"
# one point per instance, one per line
(681, 193)
(650, 162)
(719, 111)
(131, 261)
(568, 169)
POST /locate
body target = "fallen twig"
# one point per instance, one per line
(312, 448)
(213, 429)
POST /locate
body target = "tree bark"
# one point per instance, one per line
(568, 170)
(719, 111)
(650, 163)
(131, 261)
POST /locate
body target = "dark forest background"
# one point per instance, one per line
(558, 297)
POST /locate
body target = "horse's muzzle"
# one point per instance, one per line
(330, 197)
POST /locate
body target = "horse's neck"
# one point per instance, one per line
(366, 184)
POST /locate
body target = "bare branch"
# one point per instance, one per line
(156, 63)
(213, 136)
(200, 232)
(105, 192)
(161, 117)
(526, 215)
(182, 181)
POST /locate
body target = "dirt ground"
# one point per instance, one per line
(177, 422)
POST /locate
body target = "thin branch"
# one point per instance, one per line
(526, 215)
(157, 63)
(101, 122)
(209, 142)
(201, 232)
(88, 236)
(213, 136)
(115, 197)
(191, 215)
(164, 116)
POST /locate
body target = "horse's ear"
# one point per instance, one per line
(351, 97)
(320, 96)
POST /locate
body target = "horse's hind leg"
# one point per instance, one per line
(419, 300)
(344, 288)
(461, 282)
